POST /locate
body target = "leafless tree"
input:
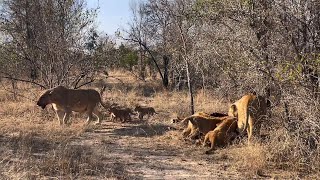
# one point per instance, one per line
(47, 39)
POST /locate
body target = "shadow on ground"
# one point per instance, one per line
(142, 130)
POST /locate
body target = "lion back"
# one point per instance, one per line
(81, 98)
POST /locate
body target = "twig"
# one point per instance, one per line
(23, 80)
(91, 81)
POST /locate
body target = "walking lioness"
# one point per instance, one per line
(65, 100)
(250, 110)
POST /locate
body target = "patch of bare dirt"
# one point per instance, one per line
(154, 151)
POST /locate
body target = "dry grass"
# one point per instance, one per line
(250, 159)
(287, 151)
(34, 146)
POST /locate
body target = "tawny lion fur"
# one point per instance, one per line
(142, 111)
(65, 100)
(250, 110)
(222, 134)
(200, 123)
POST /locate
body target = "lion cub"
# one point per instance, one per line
(123, 114)
(222, 134)
(142, 111)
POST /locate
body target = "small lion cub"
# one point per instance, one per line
(142, 111)
(123, 114)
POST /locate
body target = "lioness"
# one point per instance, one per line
(65, 100)
(144, 111)
(222, 134)
(200, 123)
(250, 111)
(120, 113)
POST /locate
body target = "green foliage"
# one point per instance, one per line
(288, 71)
(292, 70)
(129, 60)
(128, 57)
(247, 2)
(206, 7)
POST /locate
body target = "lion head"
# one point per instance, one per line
(45, 99)
(49, 96)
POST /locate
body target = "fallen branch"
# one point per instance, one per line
(23, 80)
(89, 82)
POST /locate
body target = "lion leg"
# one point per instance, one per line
(186, 132)
(123, 119)
(129, 117)
(206, 138)
(66, 118)
(90, 117)
(194, 133)
(60, 114)
(98, 115)
(212, 144)
(140, 116)
(113, 117)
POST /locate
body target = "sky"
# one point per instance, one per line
(113, 14)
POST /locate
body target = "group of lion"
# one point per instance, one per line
(219, 129)
(246, 114)
(65, 101)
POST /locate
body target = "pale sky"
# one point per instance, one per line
(113, 14)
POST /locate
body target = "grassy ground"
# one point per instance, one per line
(34, 146)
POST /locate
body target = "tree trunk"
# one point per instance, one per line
(141, 64)
(165, 80)
(190, 88)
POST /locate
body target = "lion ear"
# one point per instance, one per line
(233, 111)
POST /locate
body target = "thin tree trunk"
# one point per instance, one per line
(165, 80)
(14, 89)
(190, 88)
(141, 64)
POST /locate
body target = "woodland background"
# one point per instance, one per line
(229, 47)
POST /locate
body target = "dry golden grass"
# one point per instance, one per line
(34, 146)
(249, 159)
